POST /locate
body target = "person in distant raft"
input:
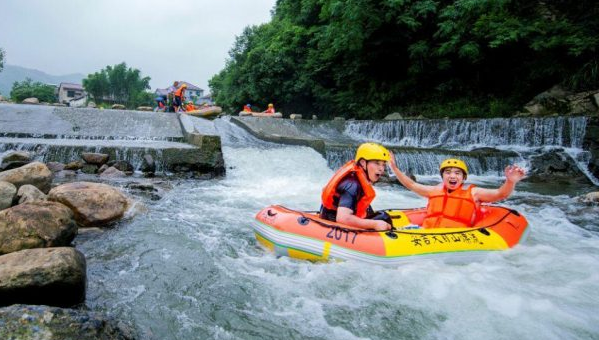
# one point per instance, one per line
(247, 108)
(189, 106)
(346, 198)
(270, 110)
(451, 204)
(179, 95)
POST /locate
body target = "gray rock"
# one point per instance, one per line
(36, 174)
(95, 158)
(29, 193)
(592, 198)
(94, 204)
(7, 194)
(17, 156)
(144, 108)
(555, 166)
(112, 172)
(55, 166)
(118, 107)
(148, 164)
(75, 165)
(394, 116)
(121, 165)
(48, 276)
(12, 165)
(103, 168)
(65, 174)
(23, 322)
(295, 116)
(31, 100)
(36, 225)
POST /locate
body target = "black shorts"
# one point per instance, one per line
(177, 101)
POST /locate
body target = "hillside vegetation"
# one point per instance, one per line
(368, 58)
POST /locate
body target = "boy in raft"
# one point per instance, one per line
(247, 108)
(270, 110)
(450, 203)
(346, 198)
(189, 107)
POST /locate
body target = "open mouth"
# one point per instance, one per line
(452, 182)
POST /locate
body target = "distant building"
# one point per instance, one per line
(69, 91)
(207, 99)
(192, 93)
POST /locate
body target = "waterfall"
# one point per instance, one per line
(469, 133)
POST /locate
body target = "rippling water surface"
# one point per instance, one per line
(190, 268)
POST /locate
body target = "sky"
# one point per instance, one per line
(166, 40)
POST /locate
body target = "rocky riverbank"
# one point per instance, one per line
(39, 220)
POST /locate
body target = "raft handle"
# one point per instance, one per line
(484, 231)
(302, 220)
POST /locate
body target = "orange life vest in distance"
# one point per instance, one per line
(330, 190)
(453, 210)
(179, 92)
(246, 109)
(189, 107)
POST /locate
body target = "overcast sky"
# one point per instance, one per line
(166, 40)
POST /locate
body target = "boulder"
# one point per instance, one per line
(75, 165)
(590, 198)
(94, 204)
(55, 166)
(295, 116)
(121, 165)
(36, 174)
(65, 174)
(582, 103)
(118, 107)
(15, 159)
(394, 116)
(20, 322)
(103, 168)
(44, 276)
(29, 193)
(95, 158)
(7, 194)
(555, 166)
(314, 117)
(112, 172)
(91, 105)
(146, 190)
(17, 156)
(148, 165)
(144, 108)
(36, 225)
(31, 100)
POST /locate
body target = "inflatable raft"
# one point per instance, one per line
(260, 114)
(304, 235)
(211, 111)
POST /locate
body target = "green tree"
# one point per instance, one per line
(118, 84)
(367, 58)
(28, 89)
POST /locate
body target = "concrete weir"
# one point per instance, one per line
(61, 134)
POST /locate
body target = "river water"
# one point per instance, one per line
(190, 268)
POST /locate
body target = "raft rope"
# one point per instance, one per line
(396, 231)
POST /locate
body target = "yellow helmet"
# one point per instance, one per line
(454, 163)
(372, 151)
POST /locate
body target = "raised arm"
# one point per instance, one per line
(420, 189)
(513, 175)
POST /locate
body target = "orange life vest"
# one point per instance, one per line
(454, 210)
(330, 190)
(246, 109)
(179, 92)
(189, 107)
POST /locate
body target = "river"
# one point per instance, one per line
(190, 268)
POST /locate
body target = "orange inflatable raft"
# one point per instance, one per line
(304, 235)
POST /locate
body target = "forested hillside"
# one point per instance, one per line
(368, 58)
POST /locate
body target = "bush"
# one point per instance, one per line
(28, 89)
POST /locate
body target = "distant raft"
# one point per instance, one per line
(260, 114)
(211, 111)
(303, 235)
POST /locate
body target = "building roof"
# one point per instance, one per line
(71, 86)
(190, 86)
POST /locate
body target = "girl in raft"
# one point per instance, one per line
(451, 203)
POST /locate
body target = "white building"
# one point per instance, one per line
(69, 91)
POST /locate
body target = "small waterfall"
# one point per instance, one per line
(468, 133)
(426, 161)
